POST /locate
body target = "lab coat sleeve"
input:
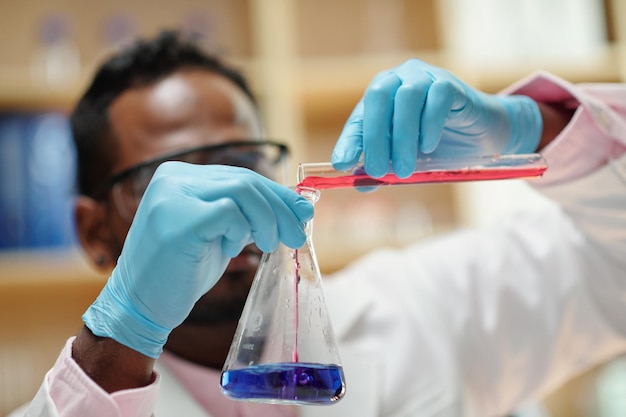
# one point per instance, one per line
(554, 305)
(68, 392)
(490, 318)
(596, 133)
(587, 172)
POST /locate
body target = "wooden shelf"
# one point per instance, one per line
(320, 81)
(42, 297)
(18, 91)
(34, 267)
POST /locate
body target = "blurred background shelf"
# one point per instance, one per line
(42, 297)
(23, 96)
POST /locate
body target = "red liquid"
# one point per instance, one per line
(296, 281)
(478, 174)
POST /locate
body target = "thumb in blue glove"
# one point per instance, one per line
(190, 222)
(417, 108)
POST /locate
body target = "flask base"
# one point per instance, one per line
(285, 383)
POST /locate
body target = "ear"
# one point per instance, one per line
(94, 232)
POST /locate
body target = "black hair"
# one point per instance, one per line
(142, 63)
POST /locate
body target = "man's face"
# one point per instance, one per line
(186, 110)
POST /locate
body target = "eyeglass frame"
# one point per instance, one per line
(108, 185)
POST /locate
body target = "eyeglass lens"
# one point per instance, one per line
(261, 158)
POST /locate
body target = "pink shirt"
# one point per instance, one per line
(75, 394)
(588, 142)
(592, 137)
(203, 385)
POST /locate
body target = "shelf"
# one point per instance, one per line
(329, 85)
(42, 267)
(42, 298)
(602, 66)
(19, 92)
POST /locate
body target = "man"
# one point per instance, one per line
(479, 320)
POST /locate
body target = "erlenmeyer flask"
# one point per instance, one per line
(284, 349)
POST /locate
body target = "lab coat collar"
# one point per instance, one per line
(174, 399)
(346, 304)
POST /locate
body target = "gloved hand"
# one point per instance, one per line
(417, 109)
(191, 221)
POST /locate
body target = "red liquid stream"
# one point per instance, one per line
(296, 279)
(477, 174)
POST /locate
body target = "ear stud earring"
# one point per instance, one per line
(101, 260)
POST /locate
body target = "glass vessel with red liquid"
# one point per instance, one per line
(322, 176)
(284, 350)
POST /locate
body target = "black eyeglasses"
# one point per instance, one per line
(128, 186)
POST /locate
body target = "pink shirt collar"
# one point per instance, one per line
(204, 386)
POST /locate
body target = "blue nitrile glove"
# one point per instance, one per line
(416, 109)
(191, 221)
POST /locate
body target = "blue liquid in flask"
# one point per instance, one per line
(289, 383)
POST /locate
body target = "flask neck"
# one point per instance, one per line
(312, 195)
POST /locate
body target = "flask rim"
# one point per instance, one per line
(311, 194)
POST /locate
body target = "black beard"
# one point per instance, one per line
(216, 311)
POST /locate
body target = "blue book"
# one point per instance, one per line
(37, 176)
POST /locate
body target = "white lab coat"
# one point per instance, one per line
(486, 320)
(477, 322)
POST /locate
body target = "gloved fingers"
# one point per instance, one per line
(236, 232)
(279, 196)
(232, 248)
(300, 206)
(273, 212)
(191, 224)
(237, 228)
(235, 220)
(445, 101)
(212, 184)
(378, 110)
(408, 117)
(439, 102)
(259, 210)
(272, 206)
(349, 146)
(271, 218)
(418, 108)
(290, 211)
